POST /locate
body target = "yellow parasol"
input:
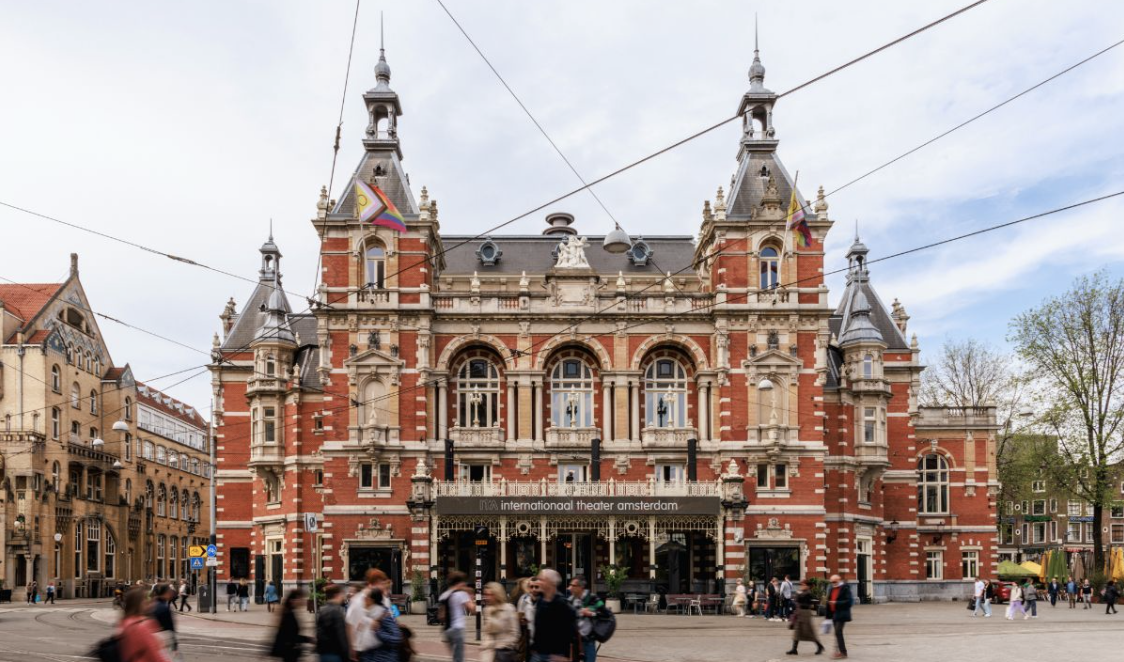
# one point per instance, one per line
(1117, 564)
(1045, 564)
(1033, 567)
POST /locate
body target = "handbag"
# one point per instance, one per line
(825, 627)
(505, 655)
(972, 604)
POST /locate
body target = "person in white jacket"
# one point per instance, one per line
(1016, 603)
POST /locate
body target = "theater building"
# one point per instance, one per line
(695, 409)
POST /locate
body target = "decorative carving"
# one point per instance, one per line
(773, 530)
(571, 253)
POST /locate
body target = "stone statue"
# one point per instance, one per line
(571, 253)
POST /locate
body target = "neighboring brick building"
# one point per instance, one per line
(586, 407)
(74, 508)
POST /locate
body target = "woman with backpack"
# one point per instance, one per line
(386, 631)
(501, 627)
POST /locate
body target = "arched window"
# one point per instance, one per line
(571, 394)
(665, 394)
(129, 491)
(149, 451)
(162, 501)
(149, 493)
(75, 396)
(161, 455)
(195, 466)
(185, 512)
(770, 267)
(161, 543)
(932, 484)
(195, 503)
(128, 409)
(56, 379)
(173, 460)
(110, 553)
(174, 505)
(75, 431)
(93, 402)
(868, 366)
(93, 541)
(375, 266)
(70, 354)
(56, 422)
(478, 394)
(55, 469)
(97, 366)
(128, 446)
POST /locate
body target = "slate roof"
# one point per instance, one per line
(749, 186)
(252, 317)
(393, 183)
(532, 253)
(879, 316)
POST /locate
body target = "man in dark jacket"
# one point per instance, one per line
(555, 623)
(162, 613)
(1053, 590)
(1111, 593)
(331, 628)
(231, 592)
(839, 602)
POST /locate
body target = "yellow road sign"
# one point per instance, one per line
(196, 550)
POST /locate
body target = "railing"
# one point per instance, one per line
(665, 437)
(609, 488)
(957, 416)
(559, 436)
(89, 452)
(266, 453)
(477, 436)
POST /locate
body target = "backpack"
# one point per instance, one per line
(443, 615)
(604, 625)
(107, 650)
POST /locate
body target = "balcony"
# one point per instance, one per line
(266, 454)
(265, 385)
(609, 488)
(957, 417)
(88, 452)
(559, 437)
(666, 438)
(469, 437)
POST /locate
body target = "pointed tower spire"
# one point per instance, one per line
(756, 107)
(756, 70)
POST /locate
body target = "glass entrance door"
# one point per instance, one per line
(673, 563)
(574, 552)
(864, 570)
(768, 562)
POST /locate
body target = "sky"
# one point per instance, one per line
(188, 127)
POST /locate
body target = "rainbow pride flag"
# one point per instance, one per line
(375, 207)
(796, 222)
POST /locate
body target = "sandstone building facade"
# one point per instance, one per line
(693, 410)
(102, 478)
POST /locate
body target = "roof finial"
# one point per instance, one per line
(856, 230)
(755, 33)
(756, 70)
(271, 228)
(382, 35)
(382, 69)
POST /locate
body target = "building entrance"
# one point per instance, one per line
(387, 559)
(574, 554)
(768, 562)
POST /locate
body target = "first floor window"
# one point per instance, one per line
(934, 565)
(772, 476)
(78, 533)
(969, 564)
(161, 542)
(1039, 506)
(1074, 531)
(932, 486)
(1117, 534)
(1073, 508)
(572, 473)
(780, 476)
(93, 543)
(475, 473)
(870, 424)
(377, 476)
(56, 422)
(1038, 532)
(671, 473)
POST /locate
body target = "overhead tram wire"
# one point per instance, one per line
(595, 182)
(741, 297)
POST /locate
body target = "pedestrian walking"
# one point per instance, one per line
(1071, 592)
(585, 604)
(456, 602)
(50, 594)
(555, 625)
(1016, 604)
(385, 629)
(32, 592)
(979, 594)
(271, 598)
(740, 598)
(1087, 594)
(839, 603)
(525, 606)
(162, 614)
(185, 595)
(803, 629)
(1111, 593)
(364, 612)
(137, 634)
(231, 593)
(772, 591)
(332, 643)
(989, 595)
(1030, 600)
(1052, 591)
(500, 628)
(751, 598)
(787, 593)
(243, 595)
(288, 640)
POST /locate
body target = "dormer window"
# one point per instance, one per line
(489, 253)
(770, 267)
(640, 253)
(376, 267)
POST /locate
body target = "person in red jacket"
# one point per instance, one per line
(137, 632)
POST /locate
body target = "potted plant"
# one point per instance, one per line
(418, 603)
(614, 578)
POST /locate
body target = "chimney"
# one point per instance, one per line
(74, 265)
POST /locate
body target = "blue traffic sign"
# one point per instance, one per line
(196, 563)
(212, 551)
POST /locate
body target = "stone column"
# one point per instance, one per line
(542, 541)
(502, 542)
(524, 410)
(509, 411)
(539, 410)
(634, 391)
(703, 414)
(612, 540)
(606, 411)
(442, 410)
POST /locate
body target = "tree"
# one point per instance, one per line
(1074, 346)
